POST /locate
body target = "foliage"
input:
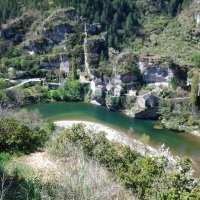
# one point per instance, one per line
(55, 95)
(2, 83)
(176, 115)
(4, 158)
(145, 138)
(18, 137)
(194, 90)
(84, 179)
(129, 102)
(175, 6)
(112, 14)
(174, 83)
(113, 102)
(71, 90)
(142, 175)
(168, 93)
(196, 60)
(21, 130)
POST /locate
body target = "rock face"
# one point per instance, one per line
(126, 66)
(36, 45)
(149, 113)
(129, 77)
(54, 29)
(94, 29)
(62, 62)
(10, 34)
(148, 101)
(153, 73)
(152, 101)
(65, 66)
(57, 34)
(16, 29)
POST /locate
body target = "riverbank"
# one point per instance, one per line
(121, 138)
(180, 144)
(146, 115)
(193, 130)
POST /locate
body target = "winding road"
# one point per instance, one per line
(24, 82)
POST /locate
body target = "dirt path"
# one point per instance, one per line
(37, 164)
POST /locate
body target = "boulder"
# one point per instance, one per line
(148, 113)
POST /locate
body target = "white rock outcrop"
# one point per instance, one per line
(197, 18)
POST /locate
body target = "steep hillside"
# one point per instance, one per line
(177, 39)
(111, 49)
(162, 28)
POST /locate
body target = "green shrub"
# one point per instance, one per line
(4, 158)
(114, 103)
(140, 174)
(2, 84)
(196, 60)
(71, 91)
(18, 137)
(55, 95)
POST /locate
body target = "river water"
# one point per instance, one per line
(181, 144)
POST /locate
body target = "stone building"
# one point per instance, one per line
(118, 91)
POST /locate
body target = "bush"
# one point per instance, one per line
(71, 91)
(196, 60)
(114, 103)
(4, 158)
(18, 137)
(55, 95)
(142, 175)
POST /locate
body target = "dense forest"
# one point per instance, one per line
(121, 18)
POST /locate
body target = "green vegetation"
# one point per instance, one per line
(196, 60)
(178, 115)
(114, 103)
(46, 36)
(114, 15)
(140, 174)
(18, 137)
(170, 38)
(194, 91)
(85, 164)
(175, 6)
(174, 83)
(22, 131)
(71, 91)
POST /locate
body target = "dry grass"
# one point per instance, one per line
(72, 176)
(87, 179)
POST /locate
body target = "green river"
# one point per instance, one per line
(181, 144)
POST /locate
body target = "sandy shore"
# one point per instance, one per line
(119, 137)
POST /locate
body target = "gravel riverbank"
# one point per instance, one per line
(119, 137)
